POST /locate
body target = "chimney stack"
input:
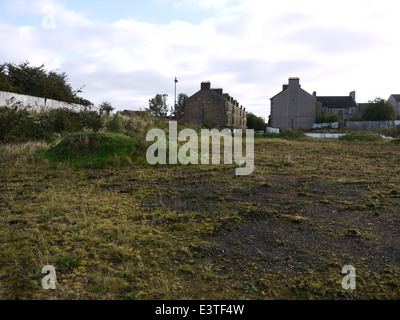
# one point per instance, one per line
(284, 87)
(294, 82)
(353, 95)
(206, 85)
(218, 91)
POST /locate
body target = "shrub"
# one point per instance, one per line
(21, 125)
(355, 118)
(115, 124)
(97, 150)
(327, 118)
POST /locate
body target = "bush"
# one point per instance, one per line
(97, 150)
(20, 124)
(327, 118)
(378, 110)
(115, 124)
(355, 118)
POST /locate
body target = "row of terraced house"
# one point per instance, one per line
(295, 108)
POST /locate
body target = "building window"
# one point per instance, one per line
(350, 111)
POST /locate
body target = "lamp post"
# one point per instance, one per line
(176, 81)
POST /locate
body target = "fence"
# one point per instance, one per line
(365, 125)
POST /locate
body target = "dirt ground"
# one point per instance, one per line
(310, 208)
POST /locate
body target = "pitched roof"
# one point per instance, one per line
(132, 113)
(337, 102)
(396, 97)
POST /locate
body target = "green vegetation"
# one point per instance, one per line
(378, 110)
(286, 135)
(254, 122)
(360, 137)
(36, 81)
(158, 105)
(355, 119)
(327, 118)
(115, 227)
(21, 124)
(198, 232)
(98, 150)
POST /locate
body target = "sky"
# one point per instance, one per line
(126, 52)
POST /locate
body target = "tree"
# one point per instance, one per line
(106, 107)
(36, 81)
(254, 122)
(158, 105)
(180, 105)
(378, 110)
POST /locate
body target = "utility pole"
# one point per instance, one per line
(176, 81)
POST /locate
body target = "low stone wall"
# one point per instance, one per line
(38, 104)
(364, 125)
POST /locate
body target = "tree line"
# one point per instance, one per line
(38, 82)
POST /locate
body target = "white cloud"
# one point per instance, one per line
(249, 48)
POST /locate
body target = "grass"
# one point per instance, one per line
(97, 150)
(360, 137)
(134, 232)
(286, 135)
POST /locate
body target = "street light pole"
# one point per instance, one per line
(176, 81)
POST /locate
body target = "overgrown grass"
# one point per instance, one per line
(286, 135)
(97, 150)
(200, 232)
(360, 138)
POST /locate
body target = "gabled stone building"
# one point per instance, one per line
(215, 106)
(344, 106)
(293, 108)
(394, 99)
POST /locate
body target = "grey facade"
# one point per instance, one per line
(293, 108)
(344, 106)
(394, 99)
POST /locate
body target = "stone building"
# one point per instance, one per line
(216, 107)
(344, 106)
(293, 108)
(394, 99)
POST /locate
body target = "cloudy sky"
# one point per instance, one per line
(126, 52)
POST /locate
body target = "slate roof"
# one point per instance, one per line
(337, 102)
(131, 113)
(396, 97)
